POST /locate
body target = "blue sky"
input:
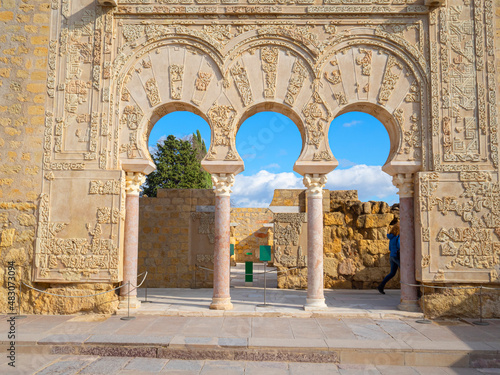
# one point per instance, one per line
(270, 143)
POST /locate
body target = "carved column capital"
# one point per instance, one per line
(133, 182)
(404, 182)
(222, 183)
(314, 184)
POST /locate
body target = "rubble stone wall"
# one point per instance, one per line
(356, 249)
(164, 238)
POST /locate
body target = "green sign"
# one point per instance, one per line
(248, 272)
(265, 253)
(231, 249)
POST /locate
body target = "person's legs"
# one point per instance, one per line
(394, 269)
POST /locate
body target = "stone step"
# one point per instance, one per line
(465, 355)
(66, 364)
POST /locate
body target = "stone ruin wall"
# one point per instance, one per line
(166, 249)
(355, 245)
(252, 229)
(172, 241)
(176, 233)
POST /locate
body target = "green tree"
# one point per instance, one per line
(178, 165)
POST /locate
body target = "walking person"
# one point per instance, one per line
(394, 246)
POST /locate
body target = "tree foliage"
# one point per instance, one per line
(178, 165)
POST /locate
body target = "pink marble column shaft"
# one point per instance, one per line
(221, 299)
(407, 254)
(315, 249)
(315, 295)
(131, 245)
(221, 250)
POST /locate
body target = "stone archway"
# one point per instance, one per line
(432, 69)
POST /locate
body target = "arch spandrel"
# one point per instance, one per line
(162, 80)
(378, 80)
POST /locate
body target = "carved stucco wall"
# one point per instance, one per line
(427, 73)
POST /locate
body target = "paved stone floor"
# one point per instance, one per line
(362, 332)
(283, 302)
(69, 365)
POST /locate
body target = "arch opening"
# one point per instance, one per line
(176, 143)
(363, 143)
(269, 142)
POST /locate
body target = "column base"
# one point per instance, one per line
(124, 304)
(313, 304)
(221, 304)
(409, 305)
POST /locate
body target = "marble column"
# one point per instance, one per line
(409, 296)
(315, 295)
(133, 182)
(221, 299)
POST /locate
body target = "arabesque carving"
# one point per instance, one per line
(240, 77)
(176, 73)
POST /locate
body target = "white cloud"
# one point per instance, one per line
(351, 123)
(370, 181)
(258, 190)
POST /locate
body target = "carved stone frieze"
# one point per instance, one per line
(269, 56)
(240, 77)
(176, 73)
(221, 119)
(317, 116)
(391, 77)
(153, 92)
(299, 75)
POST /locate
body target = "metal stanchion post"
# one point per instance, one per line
(128, 317)
(230, 286)
(194, 278)
(19, 316)
(481, 322)
(146, 291)
(423, 321)
(265, 288)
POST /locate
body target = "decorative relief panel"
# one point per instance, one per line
(290, 239)
(201, 238)
(269, 57)
(460, 216)
(79, 243)
(464, 128)
(240, 77)
(299, 75)
(175, 75)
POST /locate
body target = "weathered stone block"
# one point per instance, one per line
(374, 220)
(334, 218)
(333, 246)
(374, 247)
(347, 267)
(7, 238)
(330, 267)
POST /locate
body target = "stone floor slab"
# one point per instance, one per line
(146, 364)
(105, 366)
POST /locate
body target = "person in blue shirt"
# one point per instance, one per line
(394, 246)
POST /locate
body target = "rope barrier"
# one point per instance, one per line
(62, 295)
(90, 295)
